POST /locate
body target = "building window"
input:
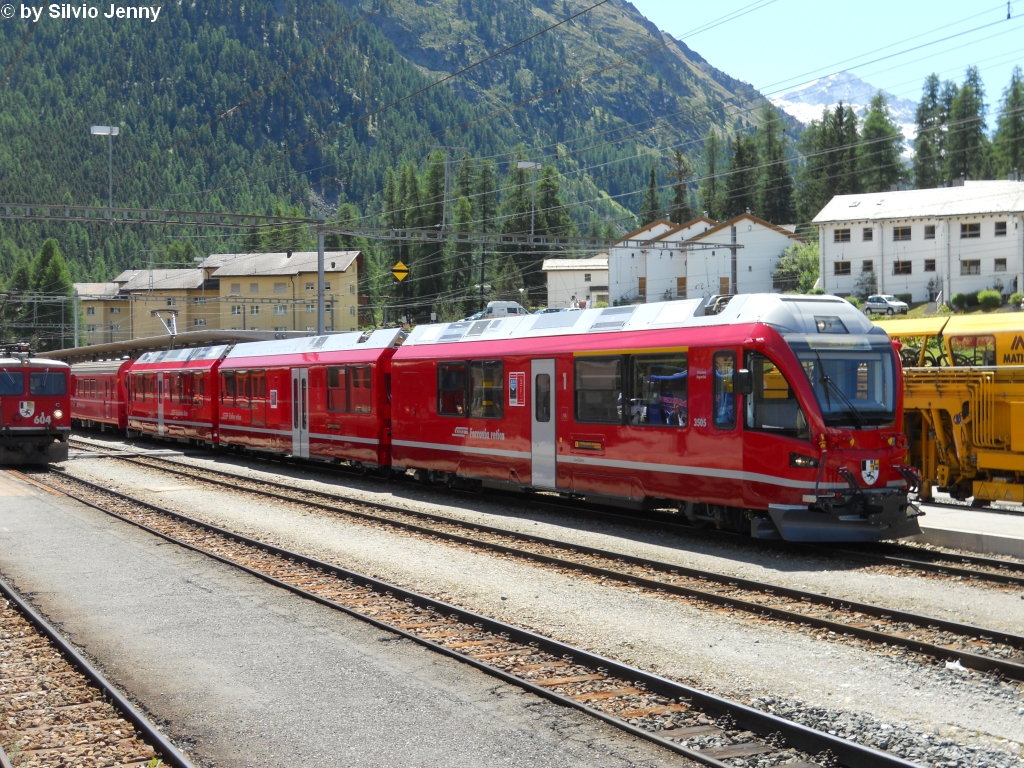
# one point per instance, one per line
(280, 309)
(327, 286)
(842, 268)
(280, 287)
(236, 289)
(352, 310)
(236, 309)
(868, 234)
(171, 301)
(867, 266)
(310, 286)
(1000, 265)
(970, 267)
(929, 265)
(310, 309)
(199, 322)
(680, 287)
(115, 310)
(254, 309)
(900, 233)
(352, 288)
(586, 277)
(929, 231)
(642, 287)
(901, 268)
(90, 328)
(1000, 229)
(841, 236)
(254, 287)
(90, 310)
(970, 230)
(198, 301)
(280, 327)
(599, 390)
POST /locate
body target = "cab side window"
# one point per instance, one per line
(658, 396)
(773, 406)
(724, 391)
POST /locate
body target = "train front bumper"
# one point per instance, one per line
(873, 515)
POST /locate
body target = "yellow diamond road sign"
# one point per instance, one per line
(400, 271)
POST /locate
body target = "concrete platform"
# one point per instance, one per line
(240, 673)
(983, 531)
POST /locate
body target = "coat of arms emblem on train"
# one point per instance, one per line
(869, 471)
(26, 408)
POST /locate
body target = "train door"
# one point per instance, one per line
(300, 412)
(106, 398)
(542, 408)
(160, 403)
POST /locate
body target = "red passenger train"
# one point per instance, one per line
(773, 415)
(35, 413)
(99, 396)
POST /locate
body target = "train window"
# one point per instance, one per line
(599, 390)
(337, 389)
(659, 393)
(487, 385)
(47, 383)
(227, 388)
(360, 392)
(451, 389)
(773, 406)
(542, 398)
(12, 382)
(973, 350)
(724, 394)
(106, 389)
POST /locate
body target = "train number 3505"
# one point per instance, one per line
(700, 422)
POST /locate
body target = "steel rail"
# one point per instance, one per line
(669, 522)
(169, 752)
(764, 724)
(972, 660)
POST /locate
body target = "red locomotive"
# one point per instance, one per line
(35, 417)
(773, 415)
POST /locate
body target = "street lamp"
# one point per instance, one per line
(526, 165)
(110, 131)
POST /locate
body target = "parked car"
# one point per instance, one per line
(549, 310)
(885, 304)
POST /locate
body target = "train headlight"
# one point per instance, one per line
(58, 414)
(804, 462)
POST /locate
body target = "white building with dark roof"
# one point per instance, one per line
(925, 242)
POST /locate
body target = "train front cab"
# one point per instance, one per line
(722, 418)
(35, 413)
(321, 397)
(172, 394)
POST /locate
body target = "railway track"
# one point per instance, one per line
(974, 647)
(58, 710)
(937, 563)
(701, 726)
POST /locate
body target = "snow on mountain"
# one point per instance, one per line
(807, 102)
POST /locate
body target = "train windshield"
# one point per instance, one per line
(47, 383)
(853, 377)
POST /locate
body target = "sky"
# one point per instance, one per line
(777, 45)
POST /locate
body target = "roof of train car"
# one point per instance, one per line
(32, 362)
(100, 366)
(335, 342)
(792, 314)
(182, 356)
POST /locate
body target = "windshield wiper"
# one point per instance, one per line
(847, 403)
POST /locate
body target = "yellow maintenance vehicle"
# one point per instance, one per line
(964, 403)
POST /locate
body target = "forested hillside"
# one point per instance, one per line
(566, 98)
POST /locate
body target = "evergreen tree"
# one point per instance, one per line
(829, 147)
(487, 197)
(518, 211)
(880, 163)
(775, 198)
(931, 120)
(710, 188)
(50, 275)
(966, 142)
(552, 214)
(1009, 139)
(465, 182)
(681, 210)
(741, 184)
(460, 264)
(650, 211)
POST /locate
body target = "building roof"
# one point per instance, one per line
(596, 263)
(687, 225)
(747, 217)
(647, 227)
(972, 199)
(267, 264)
(97, 290)
(159, 279)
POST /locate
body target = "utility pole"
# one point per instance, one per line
(110, 131)
(320, 323)
(533, 168)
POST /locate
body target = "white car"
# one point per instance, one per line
(885, 304)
